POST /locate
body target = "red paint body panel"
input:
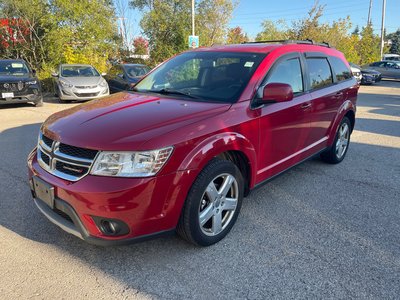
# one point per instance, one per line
(272, 138)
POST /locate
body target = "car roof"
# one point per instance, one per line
(133, 65)
(13, 60)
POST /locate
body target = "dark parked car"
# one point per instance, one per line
(18, 83)
(122, 77)
(368, 76)
(191, 140)
(388, 69)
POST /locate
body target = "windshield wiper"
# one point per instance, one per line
(173, 92)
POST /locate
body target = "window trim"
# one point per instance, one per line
(284, 57)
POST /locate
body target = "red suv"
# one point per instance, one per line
(195, 136)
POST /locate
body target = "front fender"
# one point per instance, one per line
(214, 145)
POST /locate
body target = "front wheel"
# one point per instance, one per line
(213, 204)
(336, 153)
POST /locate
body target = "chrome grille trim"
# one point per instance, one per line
(55, 156)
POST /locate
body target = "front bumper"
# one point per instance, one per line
(82, 94)
(22, 98)
(148, 206)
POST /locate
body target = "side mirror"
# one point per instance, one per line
(103, 74)
(277, 92)
(54, 74)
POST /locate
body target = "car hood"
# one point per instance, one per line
(16, 78)
(370, 71)
(93, 80)
(125, 121)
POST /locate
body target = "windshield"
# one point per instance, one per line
(13, 68)
(78, 71)
(135, 71)
(207, 76)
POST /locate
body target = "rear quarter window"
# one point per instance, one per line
(320, 72)
(342, 72)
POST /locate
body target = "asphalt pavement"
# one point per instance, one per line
(318, 231)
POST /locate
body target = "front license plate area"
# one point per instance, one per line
(7, 95)
(44, 191)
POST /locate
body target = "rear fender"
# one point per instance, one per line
(343, 110)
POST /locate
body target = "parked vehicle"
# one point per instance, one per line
(79, 82)
(368, 76)
(388, 68)
(124, 76)
(356, 71)
(193, 138)
(18, 83)
(391, 57)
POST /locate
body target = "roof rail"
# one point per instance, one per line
(307, 41)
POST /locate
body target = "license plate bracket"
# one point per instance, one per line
(7, 95)
(43, 191)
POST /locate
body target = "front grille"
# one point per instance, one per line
(63, 215)
(86, 94)
(64, 161)
(86, 86)
(76, 151)
(12, 86)
(71, 169)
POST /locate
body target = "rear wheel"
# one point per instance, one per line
(213, 204)
(336, 153)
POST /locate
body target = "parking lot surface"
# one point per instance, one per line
(317, 231)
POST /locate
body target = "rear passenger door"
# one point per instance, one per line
(328, 91)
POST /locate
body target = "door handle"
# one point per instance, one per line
(305, 105)
(338, 95)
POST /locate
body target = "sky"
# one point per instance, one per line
(249, 14)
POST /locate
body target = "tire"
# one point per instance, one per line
(207, 200)
(336, 153)
(39, 103)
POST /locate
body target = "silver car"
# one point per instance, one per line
(79, 82)
(388, 68)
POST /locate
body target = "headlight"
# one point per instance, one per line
(130, 164)
(65, 84)
(103, 83)
(31, 82)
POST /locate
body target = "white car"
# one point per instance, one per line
(79, 82)
(356, 72)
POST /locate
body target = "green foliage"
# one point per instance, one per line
(358, 47)
(167, 24)
(141, 45)
(61, 31)
(395, 38)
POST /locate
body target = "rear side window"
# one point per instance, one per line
(341, 70)
(289, 72)
(320, 72)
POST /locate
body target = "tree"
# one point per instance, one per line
(271, 31)
(395, 39)
(140, 45)
(368, 46)
(167, 24)
(236, 36)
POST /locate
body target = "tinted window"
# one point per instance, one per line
(289, 72)
(135, 71)
(13, 68)
(205, 76)
(320, 72)
(341, 70)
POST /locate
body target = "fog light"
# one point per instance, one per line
(111, 227)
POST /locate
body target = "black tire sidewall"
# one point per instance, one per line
(213, 169)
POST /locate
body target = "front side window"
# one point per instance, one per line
(203, 76)
(341, 70)
(78, 71)
(289, 72)
(320, 72)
